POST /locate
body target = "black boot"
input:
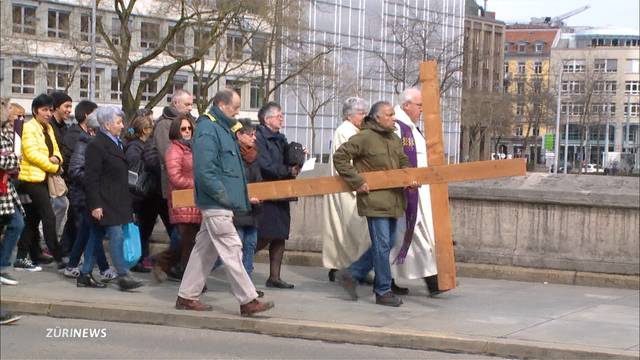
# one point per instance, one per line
(87, 280)
(332, 275)
(432, 285)
(128, 282)
(397, 289)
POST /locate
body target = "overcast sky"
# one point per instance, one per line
(618, 13)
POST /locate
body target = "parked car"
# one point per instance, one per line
(591, 169)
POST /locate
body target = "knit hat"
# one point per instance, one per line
(59, 98)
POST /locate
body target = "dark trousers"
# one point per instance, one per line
(147, 211)
(38, 210)
(69, 234)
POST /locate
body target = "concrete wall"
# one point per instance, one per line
(574, 222)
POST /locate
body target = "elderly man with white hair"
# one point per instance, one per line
(413, 255)
(344, 233)
(108, 199)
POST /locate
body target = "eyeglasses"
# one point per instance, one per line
(185, 128)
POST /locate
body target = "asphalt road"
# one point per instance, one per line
(36, 337)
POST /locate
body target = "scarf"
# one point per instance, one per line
(412, 195)
(248, 153)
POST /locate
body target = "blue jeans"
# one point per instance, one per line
(383, 232)
(11, 236)
(249, 237)
(116, 238)
(83, 230)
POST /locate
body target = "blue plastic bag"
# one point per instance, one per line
(131, 244)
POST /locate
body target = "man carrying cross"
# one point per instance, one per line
(376, 147)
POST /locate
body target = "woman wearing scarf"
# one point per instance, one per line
(179, 164)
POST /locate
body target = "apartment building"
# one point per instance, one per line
(599, 70)
(527, 50)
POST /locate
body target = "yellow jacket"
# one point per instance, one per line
(35, 154)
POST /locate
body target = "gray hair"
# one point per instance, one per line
(107, 114)
(178, 94)
(376, 109)
(352, 105)
(407, 95)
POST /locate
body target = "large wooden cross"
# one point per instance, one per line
(437, 175)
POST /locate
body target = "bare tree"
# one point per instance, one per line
(415, 40)
(129, 61)
(485, 114)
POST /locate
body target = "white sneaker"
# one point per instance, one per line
(7, 279)
(26, 265)
(108, 275)
(71, 272)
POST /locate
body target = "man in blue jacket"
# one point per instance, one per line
(220, 189)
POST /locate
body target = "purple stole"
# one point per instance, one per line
(411, 213)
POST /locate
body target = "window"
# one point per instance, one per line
(604, 87)
(536, 131)
(151, 89)
(537, 87)
(256, 95)
(605, 65)
(201, 40)
(23, 77)
(178, 82)
(573, 66)
(258, 48)
(24, 19)
(603, 108)
(236, 85)
(634, 109)
(632, 87)
(518, 130)
(520, 88)
(234, 47)
(506, 67)
(116, 93)
(506, 47)
(85, 74)
(115, 30)
(85, 27)
(537, 67)
(573, 87)
(176, 45)
(58, 24)
(58, 77)
(571, 108)
(149, 35)
(522, 67)
(522, 47)
(539, 47)
(632, 66)
(200, 93)
(519, 109)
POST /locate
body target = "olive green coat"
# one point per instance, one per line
(373, 149)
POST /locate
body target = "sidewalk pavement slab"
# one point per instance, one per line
(495, 317)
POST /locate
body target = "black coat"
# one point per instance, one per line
(75, 175)
(274, 221)
(68, 145)
(106, 181)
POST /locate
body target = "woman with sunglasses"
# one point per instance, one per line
(179, 163)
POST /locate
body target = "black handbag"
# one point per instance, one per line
(141, 181)
(294, 156)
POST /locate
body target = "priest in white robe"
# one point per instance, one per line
(418, 260)
(345, 234)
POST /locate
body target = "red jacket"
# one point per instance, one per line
(179, 163)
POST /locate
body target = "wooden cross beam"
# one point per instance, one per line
(437, 174)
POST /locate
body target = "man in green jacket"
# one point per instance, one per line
(220, 189)
(374, 148)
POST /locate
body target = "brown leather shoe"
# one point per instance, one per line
(196, 305)
(255, 307)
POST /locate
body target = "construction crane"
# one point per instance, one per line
(558, 20)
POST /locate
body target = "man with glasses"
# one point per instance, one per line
(413, 255)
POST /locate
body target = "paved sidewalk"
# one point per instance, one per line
(506, 318)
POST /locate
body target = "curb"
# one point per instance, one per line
(495, 272)
(310, 330)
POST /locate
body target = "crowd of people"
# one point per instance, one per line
(72, 187)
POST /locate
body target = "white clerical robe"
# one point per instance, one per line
(345, 234)
(421, 257)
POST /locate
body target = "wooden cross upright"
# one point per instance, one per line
(437, 175)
